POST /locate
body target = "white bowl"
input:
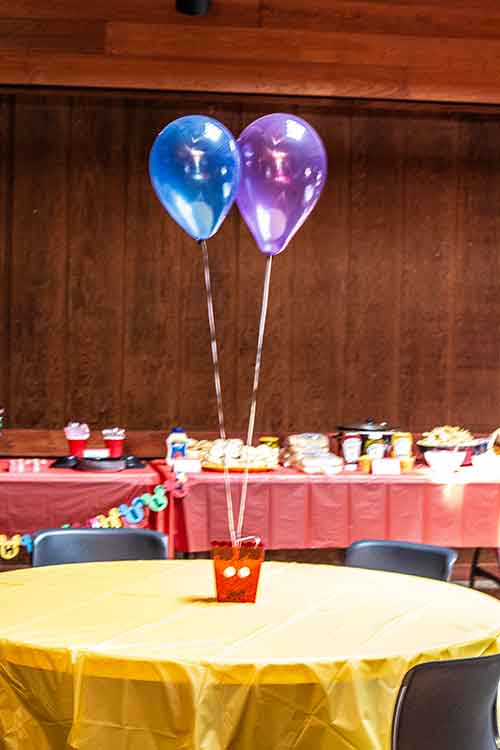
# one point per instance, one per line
(445, 462)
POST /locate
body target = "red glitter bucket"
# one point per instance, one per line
(237, 569)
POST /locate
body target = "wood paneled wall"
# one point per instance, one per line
(386, 304)
(441, 50)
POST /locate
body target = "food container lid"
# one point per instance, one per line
(369, 425)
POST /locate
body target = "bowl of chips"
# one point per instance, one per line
(448, 439)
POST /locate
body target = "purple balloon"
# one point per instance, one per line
(283, 170)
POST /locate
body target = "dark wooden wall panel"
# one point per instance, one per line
(477, 344)
(372, 347)
(430, 192)
(193, 378)
(151, 283)
(38, 281)
(5, 234)
(96, 295)
(321, 251)
(225, 251)
(277, 369)
(250, 277)
(385, 304)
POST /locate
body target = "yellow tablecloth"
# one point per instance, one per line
(139, 656)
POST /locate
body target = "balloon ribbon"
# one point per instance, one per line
(218, 387)
(255, 388)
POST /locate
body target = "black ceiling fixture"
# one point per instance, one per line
(193, 7)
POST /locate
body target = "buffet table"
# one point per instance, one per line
(139, 655)
(290, 510)
(30, 501)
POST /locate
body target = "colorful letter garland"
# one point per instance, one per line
(131, 516)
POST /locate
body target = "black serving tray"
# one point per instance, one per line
(65, 462)
(98, 464)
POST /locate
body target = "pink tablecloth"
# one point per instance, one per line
(33, 501)
(294, 511)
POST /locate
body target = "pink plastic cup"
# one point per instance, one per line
(77, 447)
(115, 446)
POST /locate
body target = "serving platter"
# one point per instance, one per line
(237, 469)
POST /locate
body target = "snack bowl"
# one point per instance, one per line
(473, 448)
(445, 460)
(453, 438)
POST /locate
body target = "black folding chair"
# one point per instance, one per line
(477, 571)
(448, 705)
(424, 560)
(61, 546)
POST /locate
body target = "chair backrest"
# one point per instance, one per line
(424, 560)
(448, 705)
(61, 546)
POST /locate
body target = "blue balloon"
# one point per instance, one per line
(195, 170)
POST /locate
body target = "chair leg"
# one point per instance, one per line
(476, 571)
(473, 567)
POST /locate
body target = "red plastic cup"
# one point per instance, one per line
(115, 447)
(77, 447)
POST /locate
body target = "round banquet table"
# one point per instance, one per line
(139, 656)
